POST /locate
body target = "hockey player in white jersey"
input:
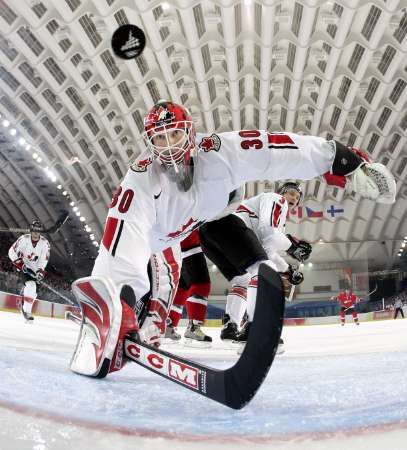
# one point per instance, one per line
(239, 242)
(30, 255)
(182, 180)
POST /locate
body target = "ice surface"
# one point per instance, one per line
(334, 387)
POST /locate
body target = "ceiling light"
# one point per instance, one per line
(27, 147)
(72, 204)
(82, 219)
(65, 193)
(310, 264)
(35, 155)
(6, 123)
(13, 131)
(165, 6)
(78, 213)
(21, 141)
(403, 244)
(59, 186)
(92, 238)
(39, 159)
(75, 208)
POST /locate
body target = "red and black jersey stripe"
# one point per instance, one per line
(112, 234)
(276, 214)
(244, 209)
(280, 140)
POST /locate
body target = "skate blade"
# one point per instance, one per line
(169, 341)
(229, 344)
(193, 343)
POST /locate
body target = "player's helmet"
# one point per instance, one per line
(288, 186)
(162, 119)
(36, 226)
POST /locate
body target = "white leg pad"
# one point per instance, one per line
(101, 308)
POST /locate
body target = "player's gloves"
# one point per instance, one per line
(18, 264)
(294, 276)
(40, 274)
(154, 324)
(353, 167)
(299, 250)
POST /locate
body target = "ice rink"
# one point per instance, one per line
(333, 388)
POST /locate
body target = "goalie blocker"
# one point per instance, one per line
(108, 339)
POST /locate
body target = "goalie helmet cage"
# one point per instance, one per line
(53, 229)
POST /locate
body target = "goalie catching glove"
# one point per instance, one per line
(353, 168)
(299, 250)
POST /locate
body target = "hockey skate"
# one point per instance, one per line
(229, 330)
(195, 337)
(28, 317)
(242, 337)
(171, 335)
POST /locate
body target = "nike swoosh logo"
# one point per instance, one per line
(156, 196)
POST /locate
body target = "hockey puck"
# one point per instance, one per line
(128, 41)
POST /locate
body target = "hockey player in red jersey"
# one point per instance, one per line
(182, 180)
(30, 255)
(348, 302)
(193, 291)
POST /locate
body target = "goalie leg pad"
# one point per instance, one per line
(106, 319)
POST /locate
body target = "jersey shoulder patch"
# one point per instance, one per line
(142, 164)
(210, 143)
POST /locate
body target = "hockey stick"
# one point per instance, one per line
(291, 295)
(236, 386)
(67, 300)
(57, 225)
(69, 315)
(372, 292)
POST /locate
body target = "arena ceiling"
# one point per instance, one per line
(72, 113)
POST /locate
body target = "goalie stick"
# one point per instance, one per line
(236, 386)
(56, 227)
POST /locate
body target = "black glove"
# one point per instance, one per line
(294, 276)
(299, 250)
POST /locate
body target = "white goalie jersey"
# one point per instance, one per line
(34, 257)
(149, 212)
(266, 215)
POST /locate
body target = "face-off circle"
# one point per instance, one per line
(128, 41)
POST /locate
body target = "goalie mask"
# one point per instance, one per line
(170, 136)
(294, 199)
